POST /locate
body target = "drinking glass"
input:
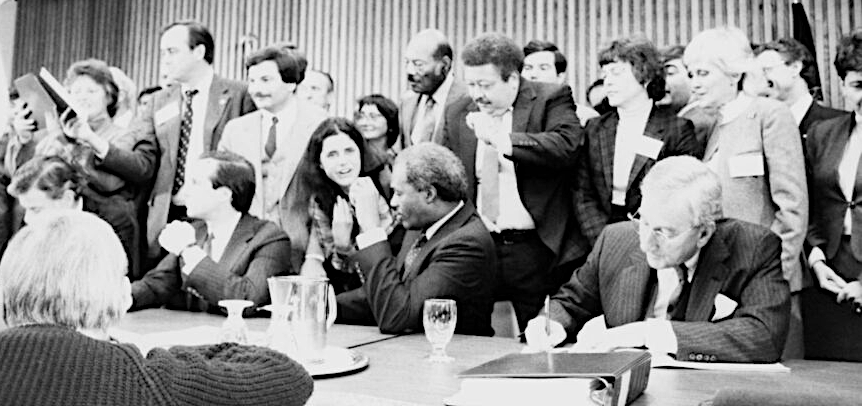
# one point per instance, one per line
(234, 330)
(439, 317)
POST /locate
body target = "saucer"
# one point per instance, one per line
(336, 361)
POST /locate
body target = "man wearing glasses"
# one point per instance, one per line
(677, 279)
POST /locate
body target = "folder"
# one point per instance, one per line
(44, 95)
(609, 379)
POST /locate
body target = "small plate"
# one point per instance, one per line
(337, 361)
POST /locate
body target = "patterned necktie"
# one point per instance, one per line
(185, 134)
(269, 148)
(489, 183)
(679, 298)
(424, 128)
(410, 258)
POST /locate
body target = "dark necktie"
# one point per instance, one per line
(185, 134)
(424, 129)
(410, 258)
(269, 148)
(679, 299)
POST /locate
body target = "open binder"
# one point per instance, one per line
(44, 95)
(609, 379)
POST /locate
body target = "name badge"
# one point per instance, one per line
(648, 147)
(746, 165)
(166, 113)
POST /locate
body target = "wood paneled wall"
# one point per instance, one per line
(360, 42)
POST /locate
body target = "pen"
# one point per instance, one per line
(548, 315)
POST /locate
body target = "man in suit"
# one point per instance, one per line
(447, 252)
(317, 87)
(518, 141)
(678, 279)
(433, 87)
(186, 119)
(543, 62)
(677, 89)
(789, 68)
(225, 253)
(275, 137)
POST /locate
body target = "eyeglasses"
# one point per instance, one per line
(661, 235)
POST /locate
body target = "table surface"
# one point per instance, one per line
(398, 374)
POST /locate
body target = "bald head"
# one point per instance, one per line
(429, 59)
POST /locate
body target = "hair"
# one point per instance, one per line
(672, 52)
(328, 78)
(100, 72)
(496, 49)
(128, 89)
(389, 110)
(428, 165)
(560, 63)
(313, 180)
(50, 174)
(646, 63)
(687, 178)
(791, 51)
(597, 83)
(848, 55)
(149, 90)
(75, 273)
(235, 173)
(291, 63)
(726, 47)
(198, 35)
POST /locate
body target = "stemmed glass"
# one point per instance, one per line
(234, 330)
(439, 317)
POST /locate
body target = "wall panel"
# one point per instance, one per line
(360, 42)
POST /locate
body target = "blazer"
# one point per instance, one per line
(458, 262)
(227, 99)
(764, 137)
(257, 250)
(826, 142)
(595, 168)
(815, 113)
(407, 114)
(741, 261)
(545, 137)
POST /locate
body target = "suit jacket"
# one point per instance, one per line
(596, 164)
(227, 99)
(458, 262)
(257, 250)
(545, 137)
(777, 196)
(816, 113)
(409, 106)
(826, 142)
(740, 261)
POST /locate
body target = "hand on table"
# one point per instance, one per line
(631, 335)
(539, 339)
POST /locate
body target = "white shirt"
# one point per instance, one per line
(513, 215)
(439, 97)
(221, 234)
(630, 127)
(660, 336)
(199, 113)
(800, 107)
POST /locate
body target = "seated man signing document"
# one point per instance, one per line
(700, 287)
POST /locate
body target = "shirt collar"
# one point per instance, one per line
(439, 223)
(735, 107)
(440, 94)
(224, 229)
(801, 106)
(202, 84)
(691, 264)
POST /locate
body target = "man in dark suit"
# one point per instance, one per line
(225, 253)
(447, 252)
(518, 141)
(186, 119)
(433, 86)
(678, 279)
(789, 68)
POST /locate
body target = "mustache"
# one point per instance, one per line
(258, 94)
(481, 100)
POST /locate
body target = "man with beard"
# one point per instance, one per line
(433, 85)
(274, 138)
(447, 252)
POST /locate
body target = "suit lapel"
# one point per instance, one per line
(169, 131)
(708, 279)
(607, 144)
(523, 106)
(238, 242)
(467, 146)
(835, 147)
(218, 100)
(453, 224)
(655, 128)
(632, 296)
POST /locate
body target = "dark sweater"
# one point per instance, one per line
(46, 365)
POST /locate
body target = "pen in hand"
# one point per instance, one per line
(548, 315)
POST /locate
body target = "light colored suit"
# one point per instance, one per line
(775, 196)
(740, 261)
(409, 106)
(276, 196)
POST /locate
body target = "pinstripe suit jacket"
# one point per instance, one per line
(741, 261)
(596, 167)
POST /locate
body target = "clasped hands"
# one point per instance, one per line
(177, 236)
(489, 129)
(845, 291)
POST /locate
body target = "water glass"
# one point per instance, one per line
(439, 317)
(234, 330)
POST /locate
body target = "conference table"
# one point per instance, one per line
(398, 374)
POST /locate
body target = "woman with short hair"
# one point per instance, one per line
(57, 349)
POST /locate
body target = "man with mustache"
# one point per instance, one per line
(433, 86)
(518, 140)
(447, 252)
(274, 137)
